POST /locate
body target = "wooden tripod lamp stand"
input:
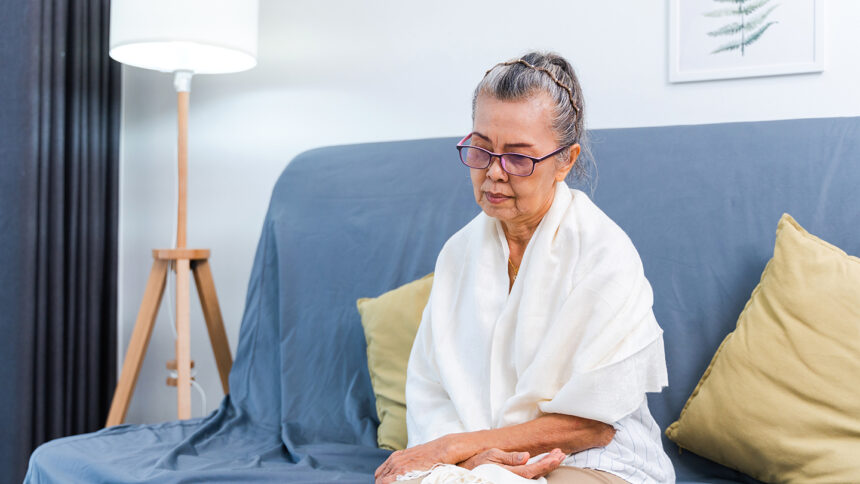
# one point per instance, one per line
(185, 38)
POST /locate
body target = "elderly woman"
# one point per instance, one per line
(538, 343)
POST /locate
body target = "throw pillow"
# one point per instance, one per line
(390, 322)
(780, 400)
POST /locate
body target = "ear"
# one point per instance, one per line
(562, 172)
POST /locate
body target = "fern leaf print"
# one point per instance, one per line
(751, 22)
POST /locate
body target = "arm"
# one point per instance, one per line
(469, 449)
(549, 431)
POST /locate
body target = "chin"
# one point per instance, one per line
(492, 210)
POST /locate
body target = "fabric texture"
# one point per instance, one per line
(576, 334)
(482, 474)
(633, 454)
(59, 165)
(390, 322)
(776, 402)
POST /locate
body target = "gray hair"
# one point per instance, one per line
(550, 73)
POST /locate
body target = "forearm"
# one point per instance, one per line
(566, 432)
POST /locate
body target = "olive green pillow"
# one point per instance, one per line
(780, 400)
(390, 322)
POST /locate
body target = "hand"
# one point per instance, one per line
(516, 462)
(420, 457)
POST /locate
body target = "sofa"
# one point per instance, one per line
(699, 202)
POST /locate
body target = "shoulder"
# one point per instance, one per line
(593, 220)
(457, 245)
(595, 226)
(601, 241)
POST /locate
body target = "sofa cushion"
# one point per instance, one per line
(776, 401)
(390, 322)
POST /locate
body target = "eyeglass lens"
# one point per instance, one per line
(513, 164)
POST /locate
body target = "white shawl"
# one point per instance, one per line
(576, 335)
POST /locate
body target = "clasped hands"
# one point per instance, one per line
(424, 456)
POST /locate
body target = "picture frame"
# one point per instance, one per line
(726, 39)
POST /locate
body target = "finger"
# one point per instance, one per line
(380, 471)
(384, 468)
(493, 453)
(547, 464)
(511, 458)
(381, 468)
(468, 463)
(539, 468)
(394, 461)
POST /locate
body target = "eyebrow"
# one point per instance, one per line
(507, 145)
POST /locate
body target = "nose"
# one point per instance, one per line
(495, 171)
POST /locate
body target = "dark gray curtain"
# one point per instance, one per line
(59, 130)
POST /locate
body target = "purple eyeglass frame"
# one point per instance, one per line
(535, 161)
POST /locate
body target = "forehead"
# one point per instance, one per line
(526, 119)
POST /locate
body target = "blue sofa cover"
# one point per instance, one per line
(700, 203)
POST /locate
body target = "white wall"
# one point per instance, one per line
(342, 71)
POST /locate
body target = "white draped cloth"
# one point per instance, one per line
(576, 334)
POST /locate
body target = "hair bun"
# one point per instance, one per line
(561, 63)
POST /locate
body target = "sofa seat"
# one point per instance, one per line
(222, 447)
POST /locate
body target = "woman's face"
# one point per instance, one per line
(522, 126)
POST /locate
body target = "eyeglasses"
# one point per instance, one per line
(516, 164)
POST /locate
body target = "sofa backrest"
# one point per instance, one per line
(700, 203)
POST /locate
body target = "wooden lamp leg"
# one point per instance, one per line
(183, 340)
(139, 341)
(214, 322)
(186, 262)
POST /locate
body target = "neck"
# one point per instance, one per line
(519, 234)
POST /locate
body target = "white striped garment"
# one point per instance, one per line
(635, 454)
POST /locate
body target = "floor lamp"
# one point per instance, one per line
(184, 37)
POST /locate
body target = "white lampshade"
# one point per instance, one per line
(201, 36)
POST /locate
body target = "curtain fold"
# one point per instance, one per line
(59, 149)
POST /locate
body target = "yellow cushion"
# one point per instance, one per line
(780, 400)
(390, 322)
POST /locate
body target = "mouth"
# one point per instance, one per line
(495, 198)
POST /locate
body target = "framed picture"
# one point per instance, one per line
(722, 39)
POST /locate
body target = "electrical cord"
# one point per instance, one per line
(197, 386)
